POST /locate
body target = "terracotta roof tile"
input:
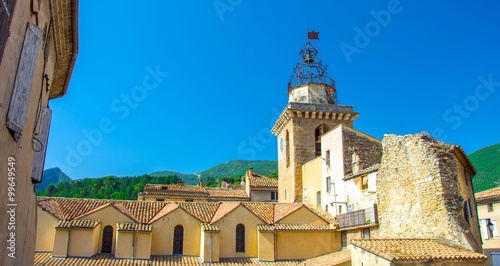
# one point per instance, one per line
(210, 227)
(201, 211)
(227, 193)
(223, 210)
(256, 180)
(281, 210)
(48, 204)
(488, 196)
(265, 211)
(296, 227)
(45, 259)
(77, 224)
(166, 210)
(142, 211)
(334, 258)
(416, 250)
(134, 227)
(194, 191)
(69, 209)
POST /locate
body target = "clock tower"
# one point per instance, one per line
(312, 110)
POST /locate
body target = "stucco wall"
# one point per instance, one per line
(21, 151)
(266, 246)
(260, 195)
(332, 141)
(302, 216)
(300, 245)
(312, 181)
(81, 243)
(45, 230)
(209, 246)
(61, 242)
(163, 234)
(108, 216)
(362, 257)
(227, 226)
(490, 244)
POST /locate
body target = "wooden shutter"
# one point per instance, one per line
(495, 229)
(24, 78)
(6, 11)
(43, 137)
(483, 224)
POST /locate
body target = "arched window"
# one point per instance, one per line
(178, 240)
(320, 130)
(240, 238)
(107, 239)
(287, 149)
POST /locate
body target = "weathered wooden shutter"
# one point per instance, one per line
(24, 78)
(6, 11)
(43, 137)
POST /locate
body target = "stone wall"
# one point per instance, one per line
(420, 194)
(369, 150)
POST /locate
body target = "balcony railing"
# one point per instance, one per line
(358, 218)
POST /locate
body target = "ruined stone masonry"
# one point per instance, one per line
(424, 191)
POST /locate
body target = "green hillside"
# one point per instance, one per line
(52, 176)
(487, 164)
(239, 167)
(232, 168)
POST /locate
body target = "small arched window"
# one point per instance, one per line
(240, 238)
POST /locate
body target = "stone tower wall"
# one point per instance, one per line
(421, 192)
(369, 151)
(302, 150)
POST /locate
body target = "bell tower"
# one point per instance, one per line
(312, 110)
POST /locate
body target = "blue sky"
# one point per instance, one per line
(186, 85)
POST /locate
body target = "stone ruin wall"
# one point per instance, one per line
(419, 194)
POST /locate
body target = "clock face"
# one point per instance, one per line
(282, 144)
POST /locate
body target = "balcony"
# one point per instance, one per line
(358, 218)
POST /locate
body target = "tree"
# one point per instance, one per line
(50, 190)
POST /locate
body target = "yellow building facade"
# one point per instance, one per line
(38, 48)
(208, 231)
(488, 210)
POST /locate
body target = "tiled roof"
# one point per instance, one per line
(369, 169)
(488, 196)
(194, 191)
(134, 227)
(256, 180)
(264, 211)
(210, 227)
(223, 210)
(416, 250)
(227, 193)
(77, 224)
(147, 212)
(296, 227)
(45, 259)
(334, 258)
(282, 210)
(70, 209)
(203, 211)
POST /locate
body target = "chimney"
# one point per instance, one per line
(180, 183)
(202, 183)
(250, 171)
(356, 164)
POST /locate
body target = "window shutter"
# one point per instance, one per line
(495, 229)
(6, 11)
(484, 229)
(24, 78)
(43, 137)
